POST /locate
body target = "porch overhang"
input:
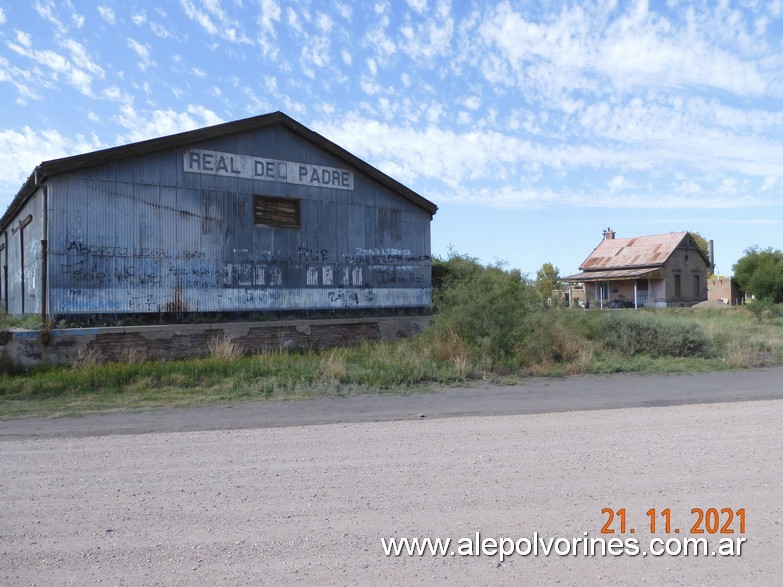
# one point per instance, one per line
(616, 275)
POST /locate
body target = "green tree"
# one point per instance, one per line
(547, 280)
(702, 243)
(760, 272)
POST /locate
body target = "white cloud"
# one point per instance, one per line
(157, 123)
(23, 39)
(324, 23)
(199, 16)
(369, 86)
(2, 16)
(107, 14)
(532, 197)
(293, 20)
(115, 94)
(472, 103)
(143, 52)
(689, 187)
(81, 58)
(430, 38)
(316, 52)
(631, 49)
(253, 103)
(213, 19)
(344, 10)
(432, 152)
(77, 71)
(160, 31)
(418, 5)
(269, 14)
(48, 10)
(377, 38)
(520, 103)
(21, 79)
(24, 149)
(618, 183)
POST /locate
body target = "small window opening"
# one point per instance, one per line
(277, 212)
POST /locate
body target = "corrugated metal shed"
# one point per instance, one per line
(256, 215)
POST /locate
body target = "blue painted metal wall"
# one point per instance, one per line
(172, 231)
(21, 259)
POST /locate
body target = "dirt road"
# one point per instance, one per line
(311, 504)
(535, 395)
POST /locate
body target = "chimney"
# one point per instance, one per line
(609, 234)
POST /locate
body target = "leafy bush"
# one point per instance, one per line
(760, 272)
(764, 311)
(551, 337)
(482, 305)
(632, 333)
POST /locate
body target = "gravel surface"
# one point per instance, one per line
(310, 504)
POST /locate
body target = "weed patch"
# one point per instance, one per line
(489, 325)
(654, 334)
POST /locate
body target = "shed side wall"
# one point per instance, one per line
(144, 235)
(23, 258)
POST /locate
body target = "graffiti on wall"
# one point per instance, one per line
(101, 277)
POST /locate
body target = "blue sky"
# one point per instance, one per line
(532, 125)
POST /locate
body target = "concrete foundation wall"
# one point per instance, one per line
(32, 348)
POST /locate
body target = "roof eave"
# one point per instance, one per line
(84, 160)
(21, 197)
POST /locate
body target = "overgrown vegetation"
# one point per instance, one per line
(760, 272)
(489, 324)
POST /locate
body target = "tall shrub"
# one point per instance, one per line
(483, 305)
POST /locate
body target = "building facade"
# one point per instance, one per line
(256, 215)
(725, 290)
(664, 270)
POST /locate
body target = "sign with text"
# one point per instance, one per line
(233, 165)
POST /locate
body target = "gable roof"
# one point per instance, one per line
(636, 257)
(66, 164)
(628, 253)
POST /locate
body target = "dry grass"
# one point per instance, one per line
(88, 358)
(224, 347)
(449, 347)
(133, 355)
(334, 366)
(746, 354)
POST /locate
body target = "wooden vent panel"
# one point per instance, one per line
(279, 212)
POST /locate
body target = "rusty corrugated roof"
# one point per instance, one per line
(628, 253)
